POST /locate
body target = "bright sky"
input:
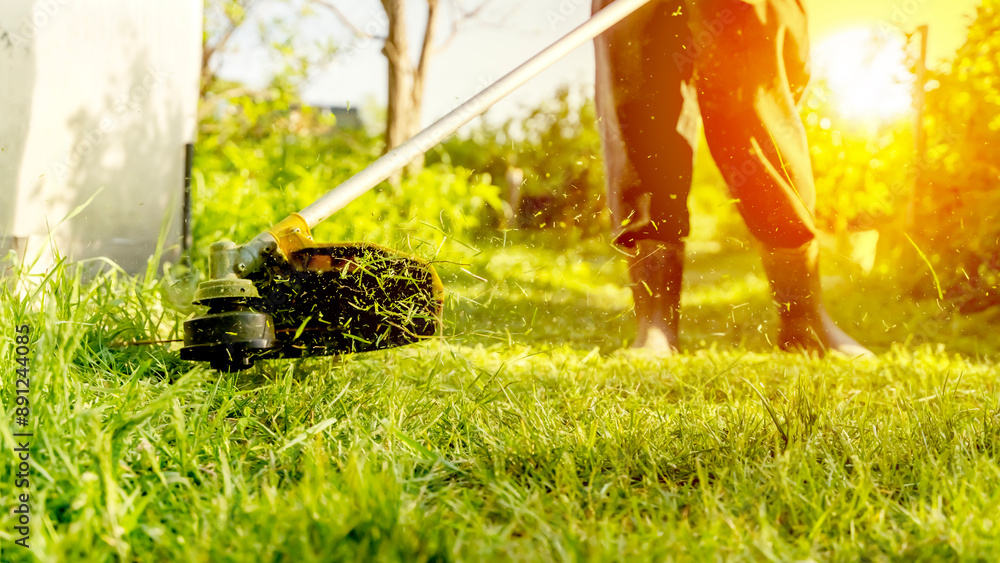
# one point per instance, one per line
(514, 30)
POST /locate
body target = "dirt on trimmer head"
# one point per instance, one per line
(321, 300)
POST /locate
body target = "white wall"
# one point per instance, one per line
(96, 97)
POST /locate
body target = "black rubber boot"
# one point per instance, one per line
(795, 286)
(656, 271)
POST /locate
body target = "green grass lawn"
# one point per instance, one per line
(526, 432)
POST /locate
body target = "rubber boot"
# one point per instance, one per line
(656, 271)
(795, 286)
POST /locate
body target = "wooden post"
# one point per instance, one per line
(919, 135)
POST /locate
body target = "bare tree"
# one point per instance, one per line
(407, 74)
(406, 80)
(222, 19)
(408, 77)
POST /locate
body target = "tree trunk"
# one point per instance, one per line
(406, 81)
(397, 54)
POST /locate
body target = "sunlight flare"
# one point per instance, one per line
(866, 73)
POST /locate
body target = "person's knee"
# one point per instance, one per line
(784, 233)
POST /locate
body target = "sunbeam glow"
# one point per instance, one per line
(865, 70)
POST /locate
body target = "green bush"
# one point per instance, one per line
(960, 193)
(262, 158)
(862, 172)
(558, 147)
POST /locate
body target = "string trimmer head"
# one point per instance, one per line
(283, 296)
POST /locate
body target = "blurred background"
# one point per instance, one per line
(901, 115)
(291, 97)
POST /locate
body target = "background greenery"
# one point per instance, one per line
(526, 431)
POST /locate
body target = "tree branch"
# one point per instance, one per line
(461, 17)
(426, 50)
(340, 15)
(209, 51)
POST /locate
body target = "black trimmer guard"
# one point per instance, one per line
(323, 300)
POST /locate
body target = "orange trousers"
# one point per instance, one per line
(741, 66)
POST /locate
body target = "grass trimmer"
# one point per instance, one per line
(282, 295)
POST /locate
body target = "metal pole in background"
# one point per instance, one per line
(187, 237)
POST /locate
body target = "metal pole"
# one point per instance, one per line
(397, 158)
(187, 238)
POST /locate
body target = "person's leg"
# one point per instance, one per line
(649, 124)
(751, 59)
